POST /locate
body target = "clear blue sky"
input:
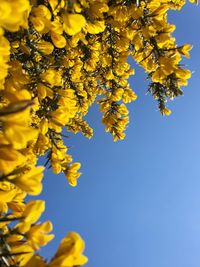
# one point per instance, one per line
(137, 203)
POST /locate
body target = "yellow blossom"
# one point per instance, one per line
(30, 182)
(166, 111)
(36, 260)
(72, 173)
(38, 234)
(73, 23)
(69, 252)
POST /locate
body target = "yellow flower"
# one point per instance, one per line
(69, 252)
(41, 18)
(183, 74)
(166, 111)
(22, 252)
(73, 23)
(35, 261)
(18, 135)
(44, 91)
(58, 40)
(56, 5)
(52, 77)
(10, 159)
(16, 113)
(96, 27)
(30, 182)
(184, 50)
(72, 173)
(8, 194)
(56, 26)
(38, 235)
(123, 109)
(129, 96)
(4, 57)
(3, 209)
(97, 9)
(158, 75)
(45, 47)
(44, 126)
(30, 215)
(14, 13)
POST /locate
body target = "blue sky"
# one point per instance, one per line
(137, 203)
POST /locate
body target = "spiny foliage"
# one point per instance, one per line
(56, 57)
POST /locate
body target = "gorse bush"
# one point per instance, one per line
(56, 57)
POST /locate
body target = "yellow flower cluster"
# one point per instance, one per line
(24, 135)
(56, 58)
